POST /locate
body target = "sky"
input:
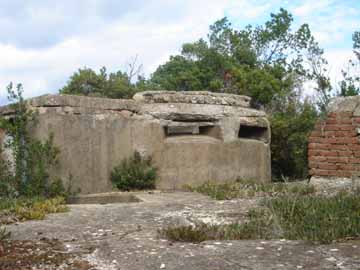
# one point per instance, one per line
(42, 43)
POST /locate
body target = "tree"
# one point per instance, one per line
(350, 84)
(290, 130)
(319, 74)
(118, 84)
(265, 62)
(86, 82)
(269, 63)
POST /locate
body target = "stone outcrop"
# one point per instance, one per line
(334, 145)
(192, 137)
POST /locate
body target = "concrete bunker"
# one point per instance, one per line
(193, 137)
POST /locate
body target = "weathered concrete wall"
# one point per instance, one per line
(193, 137)
(334, 145)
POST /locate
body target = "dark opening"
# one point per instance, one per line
(181, 130)
(191, 130)
(253, 132)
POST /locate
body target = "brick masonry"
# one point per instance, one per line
(334, 146)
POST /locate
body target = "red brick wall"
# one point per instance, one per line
(334, 146)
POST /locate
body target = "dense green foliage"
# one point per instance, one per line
(290, 129)
(28, 172)
(114, 85)
(134, 173)
(264, 62)
(268, 63)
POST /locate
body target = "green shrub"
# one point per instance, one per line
(7, 184)
(290, 129)
(28, 174)
(42, 157)
(134, 173)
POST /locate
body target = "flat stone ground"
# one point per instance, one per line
(124, 236)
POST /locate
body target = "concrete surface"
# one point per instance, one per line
(124, 236)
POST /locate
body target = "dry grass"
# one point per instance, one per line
(294, 214)
(27, 209)
(250, 188)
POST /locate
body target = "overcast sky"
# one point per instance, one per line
(43, 42)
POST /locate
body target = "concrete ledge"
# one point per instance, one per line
(193, 97)
(105, 198)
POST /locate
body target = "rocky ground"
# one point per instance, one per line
(124, 236)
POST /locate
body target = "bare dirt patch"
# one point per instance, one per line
(41, 254)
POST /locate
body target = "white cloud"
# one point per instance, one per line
(43, 70)
(309, 7)
(338, 60)
(47, 43)
(332, 22)
(248, 9)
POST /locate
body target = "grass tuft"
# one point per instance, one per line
(4, 234)
(317, 219)
(35, 208)
(250, 188)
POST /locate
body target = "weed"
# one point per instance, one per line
(259, 226)
(311, 218)
(250, 188)
(32, 208)
(27, 172)
(318, 219)
(4, 234)
(134, 173)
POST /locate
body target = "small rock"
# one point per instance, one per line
(162, 266)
